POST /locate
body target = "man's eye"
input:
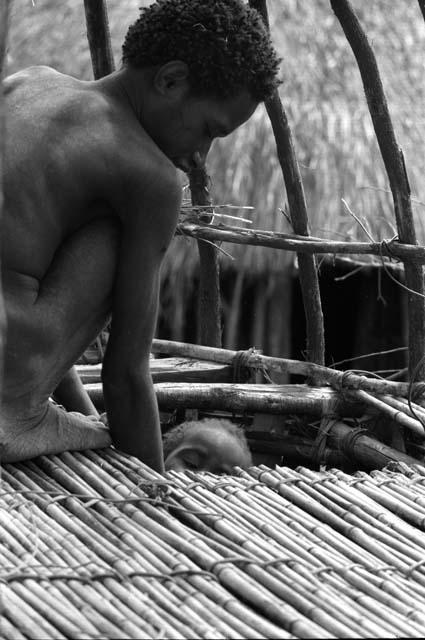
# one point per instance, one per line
(193, 465)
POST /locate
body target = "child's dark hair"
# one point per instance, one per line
(223, 42)
(173, 438)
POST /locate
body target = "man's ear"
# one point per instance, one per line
(172, 79)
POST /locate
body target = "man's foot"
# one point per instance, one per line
(57, 431)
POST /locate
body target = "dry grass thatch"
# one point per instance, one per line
(96, 545)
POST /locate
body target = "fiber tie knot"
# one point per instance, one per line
(241, 368)
(350, 439)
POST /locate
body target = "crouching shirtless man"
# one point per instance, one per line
(92, 197)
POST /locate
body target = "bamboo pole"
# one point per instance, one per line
(4, 24)
(250, 398)
(99, 37)
(168, 531)
(29, 622)
(397, 414)
(302, 244)
(339, 554)
(339, 380)
(368, 550)
(9, 630)
(298, 211)
(348, 491)
(209, 305)
(227, 489)
(300, 451)
(246, 510)
(127, 536)
(394, 163)
(170, 370)
(410, 408)
(281, 531)
(366, 450)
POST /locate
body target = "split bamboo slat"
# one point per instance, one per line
(169, 370)
(97, 545)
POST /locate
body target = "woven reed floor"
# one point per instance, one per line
(96, 545)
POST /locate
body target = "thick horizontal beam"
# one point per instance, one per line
(246, 398)
(339, 380)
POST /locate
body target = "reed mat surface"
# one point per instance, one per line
(97, 545)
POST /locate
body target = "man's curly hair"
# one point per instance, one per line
(175, 436)
(224, 43)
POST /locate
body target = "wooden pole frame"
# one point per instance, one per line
(99, 37)
(339, 380)
(209, 299)
(392, 249)
(392, 156)
(305, 246)
(298, 210)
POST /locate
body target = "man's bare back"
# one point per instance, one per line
(92, 198)
(70, 148)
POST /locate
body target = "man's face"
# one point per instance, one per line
(208, 449)
(193, 123)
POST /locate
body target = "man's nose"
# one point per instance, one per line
(203, 151)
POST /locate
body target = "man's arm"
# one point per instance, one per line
(149, 217)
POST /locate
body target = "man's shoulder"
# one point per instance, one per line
(146, 173)
(33, 71)
(33, 75)
(41, 90)
(142, 177)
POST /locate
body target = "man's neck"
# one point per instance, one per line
(131, 87)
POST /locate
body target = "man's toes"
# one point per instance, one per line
(98, 437)
(91, 418)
